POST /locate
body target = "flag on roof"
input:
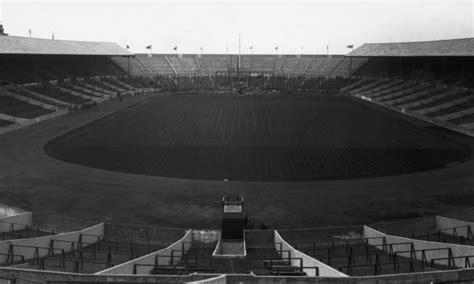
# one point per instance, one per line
(128, 46)
(350, 46)
(175, 48)
(148, 47)
(276, 48)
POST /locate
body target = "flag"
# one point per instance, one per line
(148, 47)
(276, 48)
(251, 47)
(350, 46)
(128, 46)
(175, 48)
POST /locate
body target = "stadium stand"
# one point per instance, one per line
(41, 79)
(263, 63)
(17, 108)
(262, 258)
(76, 246)
(428, 80)
(209, 64)
(183, 64)
(58, 94)
(404, 77)
(111, 249)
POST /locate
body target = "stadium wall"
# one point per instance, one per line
(422, 277)
(25, 276)
(89, 235)
(30, 276)
(221, 279)
(443, 223)
(149, 259)
(457, 250)
(324, 270)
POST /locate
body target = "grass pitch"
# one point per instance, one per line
(256, 138)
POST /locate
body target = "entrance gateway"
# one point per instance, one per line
(232, 242)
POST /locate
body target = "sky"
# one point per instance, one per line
(296, 27)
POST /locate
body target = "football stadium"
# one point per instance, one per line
(149, 167)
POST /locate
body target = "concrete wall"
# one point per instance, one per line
(324, 270)
(447, 223)
(30, 276)
(19, 221)
(221, 279)
(423, 277)
(149, 259)
(457, 250)
(28, 253)
(24, 276)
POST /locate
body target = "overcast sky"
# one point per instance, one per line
(214, 26)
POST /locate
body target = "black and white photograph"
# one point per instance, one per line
(236, 141)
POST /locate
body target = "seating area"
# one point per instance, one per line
(457, 235)
(197, 257)
(76, 246)
(261, 63)
(295, 65)
(134, 82)
(19, 69)
(20, 231)
(36, 97)
(390, 247)
(271, 259)
(441, 103)
(102, 85)
(357, 257)
(89, 257)
(209, 64)
(21, 109)
(185, 64)
(86, 89)
(451, 71)
(132, 65)
(157, 64)
(57, 94)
